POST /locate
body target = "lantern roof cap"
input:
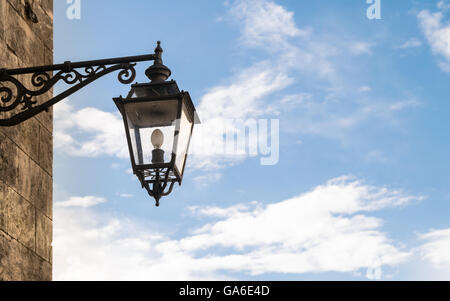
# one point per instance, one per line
(158, 72)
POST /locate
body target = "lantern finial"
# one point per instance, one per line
(158, 72)
(158, 48)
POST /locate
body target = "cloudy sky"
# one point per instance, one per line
(347, 177)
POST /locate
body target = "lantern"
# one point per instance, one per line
(159, 121)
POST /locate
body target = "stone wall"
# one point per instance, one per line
(26, 151)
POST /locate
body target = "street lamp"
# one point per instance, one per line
(158, 117)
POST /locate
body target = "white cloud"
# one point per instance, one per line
(437, 34)
(84, 202)
(326, 229)
(89, 132)
(248, 94)
(242, 98)
(411, 43)
(126, 195)
(400, 105)
(221, 212)
(376, 156)
(296, 99)
(115, 165)
(359, 48)
(309, 57)
(207, 179)
(365, 89)
(335, 118)
(436, 250)
(89, 246)
(443, 5)
(265, 24)
(227, 109)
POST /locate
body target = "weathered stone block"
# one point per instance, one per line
(2, 199)
(48, 58)
(34, 184)
(44, 28)
(19, 263)
(3, 5)
(27, 172)
(47, 6)
(46, 150)
(14, 32)
(9, 168)
(19, 7)
(43, 194)
(18, 218)
(43, 236)
(8, 59)
(26, 136)
(22, 40)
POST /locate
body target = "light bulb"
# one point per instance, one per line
(157, 138)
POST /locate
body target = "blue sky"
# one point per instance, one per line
(360, 190)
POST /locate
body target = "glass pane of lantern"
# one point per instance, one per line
(167, 146)
(143, 119)
(184, 135)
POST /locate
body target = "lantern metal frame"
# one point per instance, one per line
(159, 178)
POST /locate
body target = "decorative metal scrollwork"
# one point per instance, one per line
(14, 95)
(44, 82)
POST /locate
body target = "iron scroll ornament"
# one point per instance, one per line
(15, 94)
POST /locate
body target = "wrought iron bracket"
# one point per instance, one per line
(13, 93)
